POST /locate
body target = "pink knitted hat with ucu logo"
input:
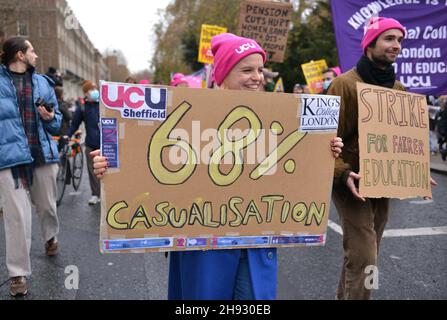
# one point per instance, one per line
(228, 49)
(376, 26)
(177, 79)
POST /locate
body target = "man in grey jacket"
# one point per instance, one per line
(29, 116)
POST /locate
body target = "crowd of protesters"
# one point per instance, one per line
(33, 110)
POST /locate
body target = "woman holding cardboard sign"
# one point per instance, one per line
(240, 274)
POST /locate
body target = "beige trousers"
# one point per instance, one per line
(17, 215)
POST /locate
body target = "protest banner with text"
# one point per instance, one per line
(255, 172)
(394, 143)
(422, 64)
(207, 33)
(313, 73)
(268, 23)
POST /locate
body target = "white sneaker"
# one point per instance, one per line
(94, 200)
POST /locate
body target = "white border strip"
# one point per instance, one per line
(415, 232)
(335, 227)
(394, 233)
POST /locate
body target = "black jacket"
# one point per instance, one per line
(89, 113)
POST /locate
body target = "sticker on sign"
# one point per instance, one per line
(135, 101)
(319, 113)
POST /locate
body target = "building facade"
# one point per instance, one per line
(60, 42)
(118, 70)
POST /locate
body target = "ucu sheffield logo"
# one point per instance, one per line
(135, 101)
(245, 47)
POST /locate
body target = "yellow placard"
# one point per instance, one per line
(207, 33)
(313, 72)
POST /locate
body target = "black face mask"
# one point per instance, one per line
(372, 74)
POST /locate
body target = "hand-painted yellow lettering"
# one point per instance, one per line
(161, 140)
(208, 215)
(140, 216)
(252, 211)
(299, 212)
(316, 214)
(233, 202)
(181, 220)
(111, 216)
(160, 209)
(234, 147)
(271, 205)
(285, 211)
(223, 214)
(272, 160)
(195, 214)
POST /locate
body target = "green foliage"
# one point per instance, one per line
(312, 39)
(178, 33)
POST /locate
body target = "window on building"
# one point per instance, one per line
(42, 61)
(22, 28)
(43, 29)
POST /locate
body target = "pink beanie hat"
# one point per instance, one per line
(377, 26)
(177, 79)
(337, 70)
(228, 49)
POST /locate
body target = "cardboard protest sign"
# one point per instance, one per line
(207, 33)
(313, 72)
(268, 23)
(198, 169)
(394, 143)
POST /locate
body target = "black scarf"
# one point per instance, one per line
(372, 74)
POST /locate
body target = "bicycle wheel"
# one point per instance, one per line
(78, 167)
(61, 179)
